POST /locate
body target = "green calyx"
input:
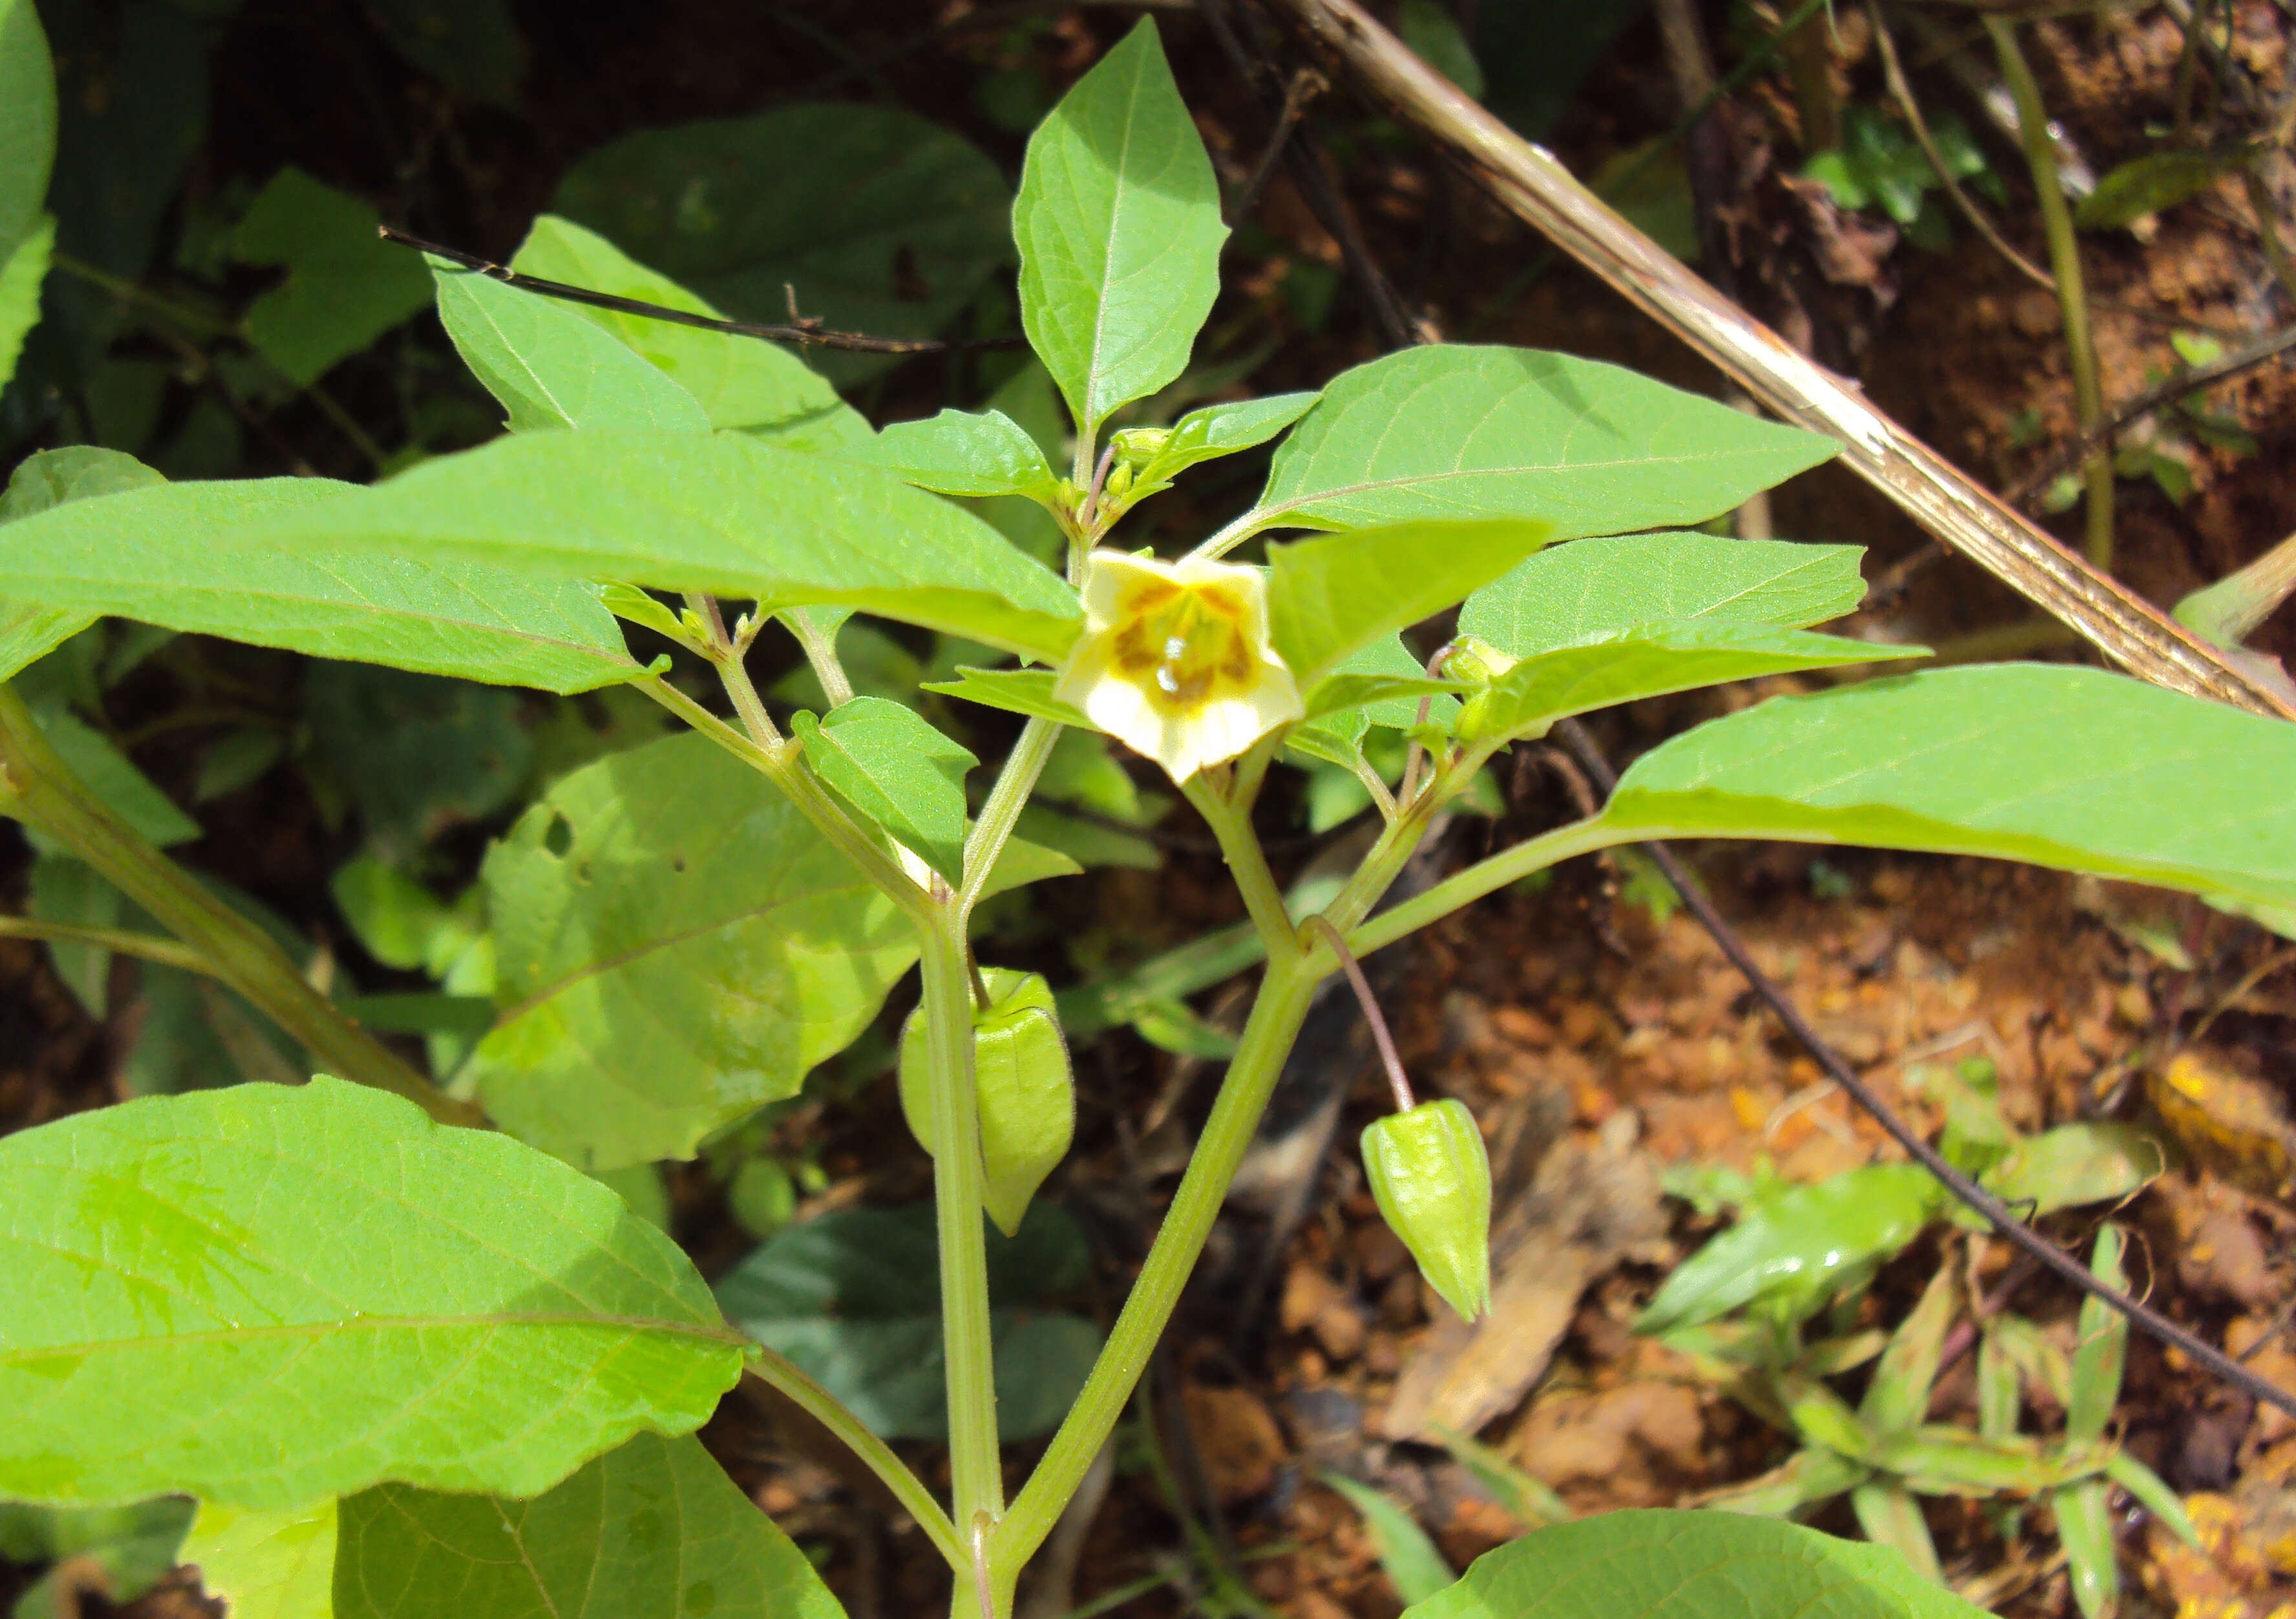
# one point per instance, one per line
(1027, 1096)
(1433, 1182)
(1482, 663)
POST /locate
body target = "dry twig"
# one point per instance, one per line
(1939, 496)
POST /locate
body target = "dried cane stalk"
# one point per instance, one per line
(1527, 180)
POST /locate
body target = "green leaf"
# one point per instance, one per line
(44, 479)
(402, 924)
(2064, 767)
(1218, 430)
(1942, 1459)
(345, 285)
(72, 892)
(2148, 183)
(1569, 595)
(654, 1529)
(1119, 226)
(1327, 598)
(80, 472)
(1451, 432)
(854, 1298)
(414, 753)
(1898, 1396)
(28, 150)
(1410, 1558)
(28, 122)
(1891, 1516)
(742, 383)
(888, 763)
(1338, 693)
(551, 369)
(676, 947)
(958, 453)
(2075, 1164)
(1016, 690)
(126, 791)
(1676, 1565)
(1649, 661)
(878, 221)
(23, 270)
(1386, 680)
(723, 513)
(2085, 1530)
(2101, 1346)
(1808, 1476)
(267, 1561)
(170, 557)
(266, 1294)
(1801, 1247)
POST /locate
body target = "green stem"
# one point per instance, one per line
(824, 1408)
(1465, 887)
(38, 788)
(2065, 264)
(1005, 801)
(975, 1471)
(1232, 826)
(821, 651)
(1277, 1013)
(146, 947)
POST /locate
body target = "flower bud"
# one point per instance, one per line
(1118, 481)
(1476, 661)
(1433, 1182)
(1026, 1095)
(1136, 446)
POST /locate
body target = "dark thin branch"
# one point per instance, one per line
(1311, 172)
(1306, 85)
(1998, 1213)
(2071, 456)
(806, 334)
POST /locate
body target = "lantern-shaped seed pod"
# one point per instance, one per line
(1433, 1182)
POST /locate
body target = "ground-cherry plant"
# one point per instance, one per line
(408, 1351)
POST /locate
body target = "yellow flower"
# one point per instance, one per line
(1175, 660)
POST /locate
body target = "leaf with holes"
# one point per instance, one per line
(676, 946)
(268, 1293)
